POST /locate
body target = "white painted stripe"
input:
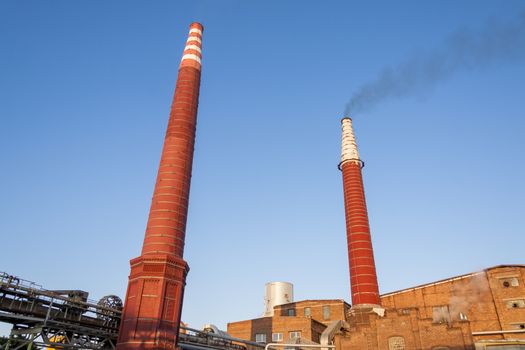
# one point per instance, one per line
(194, 38)
(196, 30)
(193, 47)
(349, 146)
(190, 56)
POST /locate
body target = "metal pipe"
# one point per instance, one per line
(187, 346)
(499, 332)
(269, 345)
(214, 335)
(329, 332)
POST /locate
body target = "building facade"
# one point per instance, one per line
(491, 301)
(480, 310)
(305, 320)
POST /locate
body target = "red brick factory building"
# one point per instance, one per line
(479, 310)
(476, 311)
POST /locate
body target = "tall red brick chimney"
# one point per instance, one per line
(153, 304)
(363, 278)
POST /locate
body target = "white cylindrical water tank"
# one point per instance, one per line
(277, 293)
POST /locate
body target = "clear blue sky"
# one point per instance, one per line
(85, 91)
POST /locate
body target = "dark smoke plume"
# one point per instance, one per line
(497, 42)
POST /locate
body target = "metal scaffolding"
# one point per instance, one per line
(56, 318)
(67, 319)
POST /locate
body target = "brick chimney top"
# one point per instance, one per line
(193, 51)
(348, 146)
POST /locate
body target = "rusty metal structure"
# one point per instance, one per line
(193, 339)
(67, 319)
(57, 318)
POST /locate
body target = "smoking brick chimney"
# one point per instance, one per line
(363, 278)
(153, 304)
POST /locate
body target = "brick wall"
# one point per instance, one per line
(402, 330)
(337, 309)
(509, 300)
(310, 323)
(439, 314)
(481, 298)
(309, 329)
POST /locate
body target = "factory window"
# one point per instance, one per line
(291, 312)
(307, 311)
(396, 343)
(515, 304)
(277, 337)
(294, 335)
(260, 338)
(440, 314)
(509, 282)
(326, 312)
(462, 316)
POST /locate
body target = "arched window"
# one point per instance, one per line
(396, 343)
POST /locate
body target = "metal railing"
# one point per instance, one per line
(192, 338)
(55, 318)
(67, 319)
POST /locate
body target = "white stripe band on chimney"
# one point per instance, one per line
(190, 56)
(194, 38)
(348, 146)
(193, 47)
(195, 30)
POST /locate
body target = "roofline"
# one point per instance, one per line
(504, 265)
(312, 320)
(315, 300)
(250, 319)
(484, 271)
